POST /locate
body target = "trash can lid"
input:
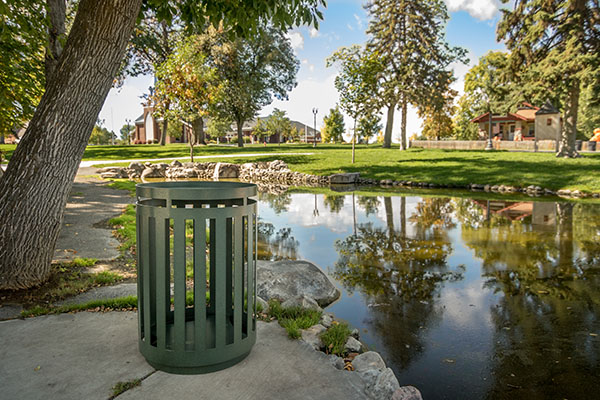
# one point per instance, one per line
(196, 190)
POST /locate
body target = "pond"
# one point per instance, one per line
(464, 298)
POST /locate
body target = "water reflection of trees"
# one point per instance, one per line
(334, 202)
(370, 204)
(276, 245)
(279, 202)
(544, 267)
(398, 274)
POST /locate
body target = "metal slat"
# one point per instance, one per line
(239, 279)
(220, 282)
(163, 296)
(179, 283)
(199, 283)
(250, 272)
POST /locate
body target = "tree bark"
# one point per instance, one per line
(566, 146)
(165, 127)
(389, 124)
(240, 134)
(57, 15)
(36, 185)
(403, 124)
(198, 126)
(163, 134)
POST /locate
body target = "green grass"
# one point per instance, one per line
(82, 262)
(335, 338)
(123, 184)
(293, 318)
(113, 304)
(454, 167)
(124, 226)
(122, 387)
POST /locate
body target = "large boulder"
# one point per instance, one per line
(344, 179)
(283, 280)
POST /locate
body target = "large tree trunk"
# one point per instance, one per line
(35, 188)
(198, 126)
(240, 134)
(165, 127)
(566, 146)
(403, 124)
(389, 125)
(163, 134)
(57, 15)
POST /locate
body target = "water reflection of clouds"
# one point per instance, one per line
(467, 307)
(299, 214)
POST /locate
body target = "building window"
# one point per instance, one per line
(549, 121)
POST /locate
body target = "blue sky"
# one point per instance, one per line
(472, 25)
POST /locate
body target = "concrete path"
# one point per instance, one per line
(85, 164)
(84, 232)
(83, 355)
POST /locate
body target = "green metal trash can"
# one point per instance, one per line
(196, 249)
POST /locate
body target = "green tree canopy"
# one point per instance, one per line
(368, 126)
(333, 128)
(356, 82)
(408, 38)
(555, 47)
(279, 124)
(62, 123)
(22, 41)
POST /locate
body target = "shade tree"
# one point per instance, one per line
(555, 47)
(47, 159)
(356, 82)
(408, 39)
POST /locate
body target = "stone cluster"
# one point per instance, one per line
(303, 284)
(272, 172)
(278, 172)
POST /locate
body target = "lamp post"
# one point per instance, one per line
(490, 144)
(315, 111)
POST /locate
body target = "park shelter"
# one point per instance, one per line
(527, 123)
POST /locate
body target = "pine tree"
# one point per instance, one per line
(408, 37)
(558, 42)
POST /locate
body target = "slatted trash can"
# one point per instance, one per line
(196, 249)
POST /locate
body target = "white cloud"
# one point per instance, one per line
(480, 9)
(350, 27)
(313, 32)
(311, 68)
(359, 21)
(296, 39)
(304, 61)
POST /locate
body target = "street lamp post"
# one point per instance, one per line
(315, 111)
(490, 144)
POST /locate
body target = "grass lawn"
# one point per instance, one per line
(432, 166)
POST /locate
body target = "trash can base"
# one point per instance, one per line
(197, 370)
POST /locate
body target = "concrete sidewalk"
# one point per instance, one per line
(83, 355)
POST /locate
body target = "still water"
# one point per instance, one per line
(463, 298)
